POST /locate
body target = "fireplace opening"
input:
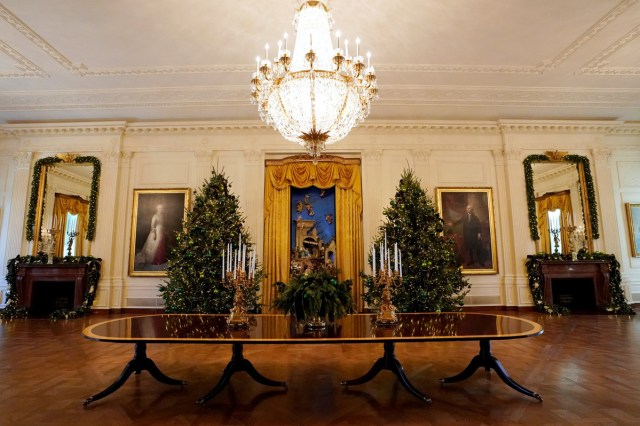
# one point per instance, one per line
(49, 296)
(576, 294)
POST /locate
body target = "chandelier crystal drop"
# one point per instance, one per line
(317, 95)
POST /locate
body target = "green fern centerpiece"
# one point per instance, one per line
(316, 294)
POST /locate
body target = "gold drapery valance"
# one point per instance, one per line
(62, 205)
(550, 202)
(330, 171)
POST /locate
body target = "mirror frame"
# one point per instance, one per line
(38, 184)
(587, 192)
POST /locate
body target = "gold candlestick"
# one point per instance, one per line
(238, 317)
(386, 312)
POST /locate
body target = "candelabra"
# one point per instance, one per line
(47, 243)
(239, 281)
(556, 240)
(71, 235)
(385, 279)
(387, 311)
(235, 275)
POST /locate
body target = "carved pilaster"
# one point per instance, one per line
(498, 156)
(22, 160)
(601, 156)
(252, 156)
(372, 155)
(421, 155)
(513, 156)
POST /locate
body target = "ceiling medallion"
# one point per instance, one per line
(317, 95)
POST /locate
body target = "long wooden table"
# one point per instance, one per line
(278, 329)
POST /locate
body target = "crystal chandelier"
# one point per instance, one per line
(317, 95)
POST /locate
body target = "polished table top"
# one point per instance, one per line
(274, 328)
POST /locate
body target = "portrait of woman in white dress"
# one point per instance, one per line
(158, 214)
(154, 251)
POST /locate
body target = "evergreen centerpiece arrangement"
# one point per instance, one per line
(315, 295)
(195, 270)
(432, 278)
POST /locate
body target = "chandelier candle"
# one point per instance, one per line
(315, 96)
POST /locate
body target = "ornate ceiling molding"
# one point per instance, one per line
(546, 65)
(35, 38)
(62, 129)
(25, 68)
(598, 65)
(508, 96)
(618, 10)
(124, 98)
(119, 128)
(600, 127)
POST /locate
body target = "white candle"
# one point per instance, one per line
(244, 256)
(358, 46)
(381, 258)
(400, 253)
(373, 258)
(388, 263)
(395, 257)
(385, 241)
(223, 264)
(239, 239)
(286, 36)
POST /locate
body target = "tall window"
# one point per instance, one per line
(555, 236)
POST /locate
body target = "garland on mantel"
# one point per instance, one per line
(618, 303)
(531, 197)
(93, 196)
(12, 310)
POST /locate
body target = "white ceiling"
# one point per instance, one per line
(192, 59)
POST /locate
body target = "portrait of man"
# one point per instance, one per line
(468, 221)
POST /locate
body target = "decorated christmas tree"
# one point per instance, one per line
(432, 278)
(194, 273)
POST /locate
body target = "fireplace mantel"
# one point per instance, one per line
(596, 270)
(29, 275)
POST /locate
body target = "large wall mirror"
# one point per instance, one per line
(560, 197)
(64, 195)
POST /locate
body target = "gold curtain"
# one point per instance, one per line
(342, 173)
(550, 202)
(62, 205)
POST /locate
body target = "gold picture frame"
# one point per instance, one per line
(633, 220)
(468, 220)
(157, 215)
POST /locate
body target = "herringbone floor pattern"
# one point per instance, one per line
(587, 368)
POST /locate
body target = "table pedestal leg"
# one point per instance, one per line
(388, 362)
(486, 359)
(136, 365)
(239, 363)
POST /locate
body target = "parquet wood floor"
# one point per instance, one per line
(587, 368)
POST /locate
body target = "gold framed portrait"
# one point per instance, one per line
(157, 215)
(633, 221)
(468, 220)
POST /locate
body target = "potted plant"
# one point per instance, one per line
(315, 297)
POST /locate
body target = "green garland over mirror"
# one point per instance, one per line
(588, 184)
(93, 197)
